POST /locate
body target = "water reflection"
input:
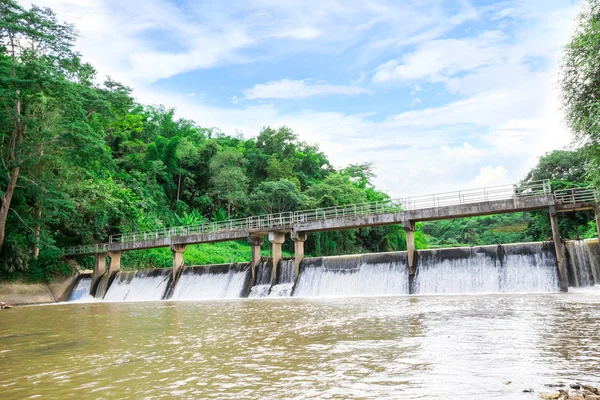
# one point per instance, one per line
(433, 347)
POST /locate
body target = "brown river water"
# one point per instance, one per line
(410, 347)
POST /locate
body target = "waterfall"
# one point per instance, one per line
(139, 285)
(583, 262)
(285, 280)
(103, 286)
(521, 267)
(356, 275)
(81, 292)
(261, 287)
(212, 282)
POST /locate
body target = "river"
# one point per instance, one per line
(413, 347)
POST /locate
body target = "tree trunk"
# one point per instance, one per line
(38, 228)
(5, 206)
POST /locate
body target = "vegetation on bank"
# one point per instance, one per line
(82, 160)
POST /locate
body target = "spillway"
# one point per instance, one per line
(583, 261)
(357, 275)
(285, 280)
(139, 285)
(81, 291)
(261, 287)
(212, 282)
(521, 267)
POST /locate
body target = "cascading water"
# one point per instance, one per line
(263, 280)
(583, 262)
(357, 275)
(81, 292)
(285, 280)
(521, 267)
(139, 285)
(212, 282)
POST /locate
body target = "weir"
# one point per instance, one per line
(139, 285)
(221, 281)
(583, 260)
(355, 275)
(521, 267)
(518, 268)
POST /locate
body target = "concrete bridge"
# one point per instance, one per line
(406, 212)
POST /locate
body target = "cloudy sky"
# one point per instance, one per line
(439, 95)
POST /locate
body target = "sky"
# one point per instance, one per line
(438, 95)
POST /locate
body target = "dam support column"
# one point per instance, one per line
(409, 228)
(276, 239)
(255, 242)
(298, 238)
(597, 216)
(178, 250)
(558, 249)
(115, 262)
(99, 271)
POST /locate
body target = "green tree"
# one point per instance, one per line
(37, 69)
(228, 181)
(275, 197)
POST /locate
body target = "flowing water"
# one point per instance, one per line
(584, 262)
(523, 267)
(409, 347)
(212, 282)
(263, 280)
(81, 291)
(139, 285)
(363, 275)
(285, 280)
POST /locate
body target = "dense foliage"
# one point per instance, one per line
(82, 160)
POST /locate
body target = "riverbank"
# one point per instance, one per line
(21, 293)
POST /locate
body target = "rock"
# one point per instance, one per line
(578, 396)
(550, 396)
(589, 388)
(592, 397)
(507, 382)
(528, 390)
(4, 306)
(575, 386)
(554, 385)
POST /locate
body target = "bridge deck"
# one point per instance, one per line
(529, 203)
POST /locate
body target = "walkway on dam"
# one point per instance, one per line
(406, 212)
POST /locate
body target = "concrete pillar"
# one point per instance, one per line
(298, 238)
(597, 215)
(255, 242)
(99, 266)
(99, 271)
(178, 250)
(115, 261)
(409, 228)
(558, 249)
(276, 239)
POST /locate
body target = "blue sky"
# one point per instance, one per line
(439, 95)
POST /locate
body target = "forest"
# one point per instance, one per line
(81, 159)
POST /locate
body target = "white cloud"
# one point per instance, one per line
(490, 176)
(437, 59)
(416, 101)
(466, 152)
(504, 112)
(297, 89)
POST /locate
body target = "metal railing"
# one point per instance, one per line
(576, 195)
(286, 219)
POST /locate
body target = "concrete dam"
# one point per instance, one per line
(509, 268)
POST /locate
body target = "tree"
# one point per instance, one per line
(276, 197)
(228, 181)
(37, 67)
(580, 76)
